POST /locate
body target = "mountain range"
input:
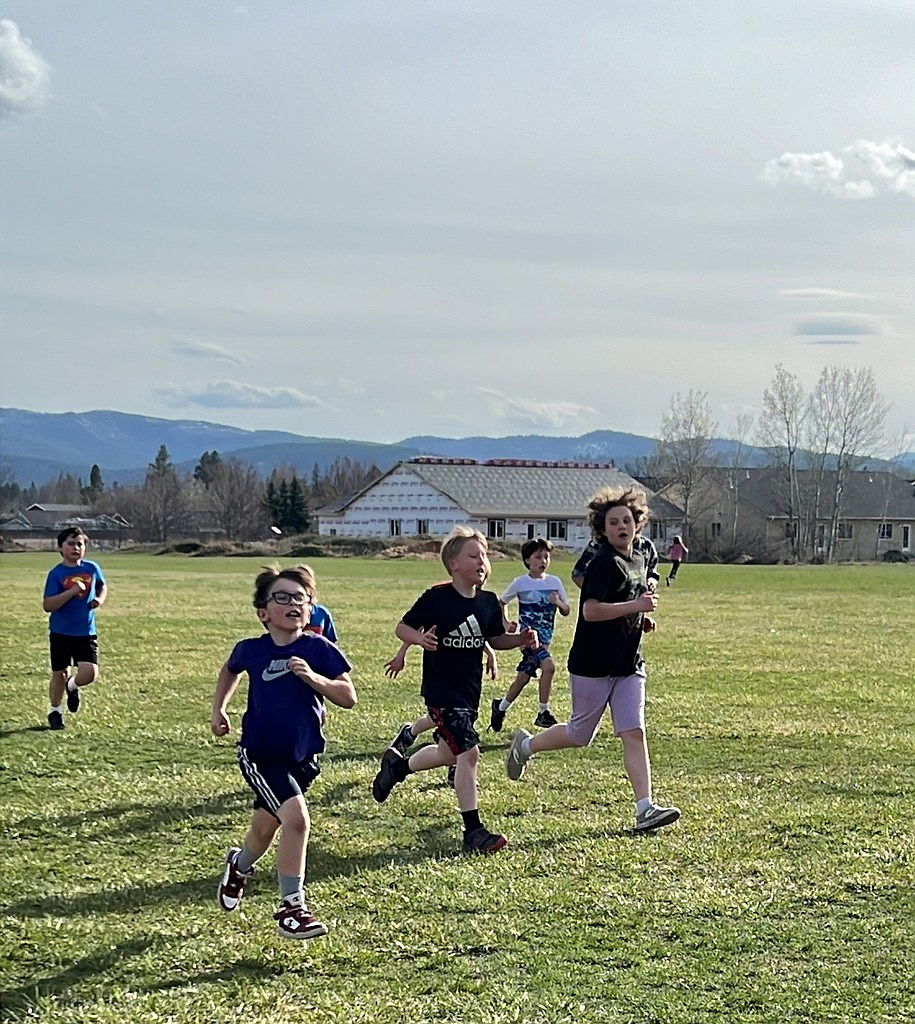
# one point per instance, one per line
(37, 447)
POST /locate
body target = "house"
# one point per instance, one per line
(38, 525)
(506, 499)
(747, 510)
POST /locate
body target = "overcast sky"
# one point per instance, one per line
(372, 220)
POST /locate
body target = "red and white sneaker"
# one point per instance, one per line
(295, 921)
(231, 886)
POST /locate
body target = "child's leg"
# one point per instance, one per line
(57, 686)
(422, 724)
(431, 756)
(257, 839)
(514, 691)
(547, 671)
(293, 844)
(636, 763)
(86, 673)
(465, 779)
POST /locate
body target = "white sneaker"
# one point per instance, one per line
(295, 921)
(231, 886)
(516, 760)
(655, 817)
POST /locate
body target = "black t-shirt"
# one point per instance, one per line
(453, 673)
(611, 648)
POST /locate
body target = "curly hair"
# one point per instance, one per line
(611, 497)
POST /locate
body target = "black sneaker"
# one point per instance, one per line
(481, 840)
(55, 720)
(496, 717)
(385, 780)
(73, 700)
(545, 719)
(403, 740)
(452, 772)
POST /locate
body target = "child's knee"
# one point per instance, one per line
(296, 820)
(471, 757)
(86, 673)
(580, 737)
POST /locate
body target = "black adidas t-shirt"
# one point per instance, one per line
(611, 648)
(453, 673)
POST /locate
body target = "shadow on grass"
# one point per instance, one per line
(139, 819)
(15, 1002)
(6, 733)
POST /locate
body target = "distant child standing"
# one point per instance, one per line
(606, 668)
(677, 553)
(451, 622)
(291, 672)
(72, 592)
(539, 595)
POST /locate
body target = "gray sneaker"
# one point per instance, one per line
(516, 760)
(656, 817)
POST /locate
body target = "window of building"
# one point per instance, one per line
(396, 527)
(885, 531)
(790, 532)
(495, 529)
(845, 531)
(333, 531)
(557, 529)
(422, 527)
(716, 529)
(656, 530)
(530, 531)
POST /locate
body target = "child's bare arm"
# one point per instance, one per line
(424, 638)
(101, 596)
(339, 691)
(226, 685)
(506, 641)
(55, 601)
(604, 611)
(492, 666)
(395, 666)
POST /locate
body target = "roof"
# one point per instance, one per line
(868, 494)
(504, 487)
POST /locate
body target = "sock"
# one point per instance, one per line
(291, 885)
(59, 709)
(642, 805)
(471, 820)
(526, 746)
(245, 860)
(504, 704)
(544, 707)
(409, 732)
(71, 684)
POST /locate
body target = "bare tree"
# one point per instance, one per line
(235, 495)
(161, 503)
(849, 417)
(781, 425)
(742, 432)
(684, 449)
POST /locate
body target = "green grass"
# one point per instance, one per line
(780, 719)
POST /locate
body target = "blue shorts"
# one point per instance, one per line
(531, 659)
(456, 727)
(275, 782)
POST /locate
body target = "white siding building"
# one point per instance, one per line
(504, 499)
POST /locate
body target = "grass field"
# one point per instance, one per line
(780, 719)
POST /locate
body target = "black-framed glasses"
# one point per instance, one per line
(288, 597)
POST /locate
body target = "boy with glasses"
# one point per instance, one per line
(291, 672)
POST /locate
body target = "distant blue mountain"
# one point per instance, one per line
(37, 447)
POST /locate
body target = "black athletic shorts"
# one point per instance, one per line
(275, 782)
(71, 650)
(456, 727)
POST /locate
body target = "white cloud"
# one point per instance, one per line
(864, 171)
(536, 415)
(835, 325)
(821, 293)
(203, 349)
(25, 76)
(231, 394)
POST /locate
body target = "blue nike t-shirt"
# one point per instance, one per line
(284, 715)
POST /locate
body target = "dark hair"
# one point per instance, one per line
(531, 547)
(301, 574)
(610, 497)
(70, 531)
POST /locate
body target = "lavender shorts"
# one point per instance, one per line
(624, 695)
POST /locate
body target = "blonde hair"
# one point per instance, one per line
(455, 541)
(611, 497)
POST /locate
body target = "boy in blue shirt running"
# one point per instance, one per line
(72, 592)
(291, 672)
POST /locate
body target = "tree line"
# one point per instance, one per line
(224, 497)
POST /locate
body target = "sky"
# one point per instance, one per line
(377, 220)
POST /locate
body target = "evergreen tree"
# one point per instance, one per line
(298, 517)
